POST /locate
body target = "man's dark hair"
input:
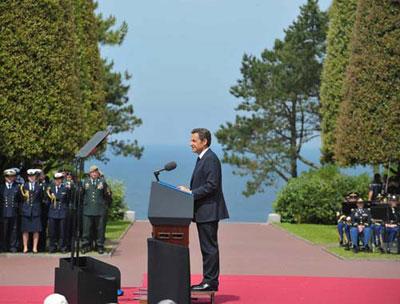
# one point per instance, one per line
(203, 134)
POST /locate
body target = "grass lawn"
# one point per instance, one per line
(317, 234)
(326, 235)
(115, 229)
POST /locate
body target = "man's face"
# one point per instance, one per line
(58, 181)
(10, 179)
(197, 145)
(94, 174)
(32, 178)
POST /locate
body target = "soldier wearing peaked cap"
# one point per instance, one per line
(59, 199)
(361, 226)
(32, 194)
(10, 199)
(95, 194)
(391, 229)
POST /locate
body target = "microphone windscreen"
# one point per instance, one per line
(170, 166)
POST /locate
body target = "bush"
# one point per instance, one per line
(315, 196)
(118, 205)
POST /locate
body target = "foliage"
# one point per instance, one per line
(119, 111)
(368, 128)
(279, 108)
(118, 205)
(39, 86)
(55, 89)
(341, 21)
(316, 196)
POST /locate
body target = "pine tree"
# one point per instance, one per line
(279, 111)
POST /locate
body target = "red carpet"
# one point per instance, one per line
(259, 290)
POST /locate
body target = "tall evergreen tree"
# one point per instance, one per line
(55, 89)
(280, 107)
(368, 128)
(39, 84)
(120, 114)
(341, 22)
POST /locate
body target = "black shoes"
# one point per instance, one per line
(204, 287)
(84, 250)
(100, 250)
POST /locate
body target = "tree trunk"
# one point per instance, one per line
(293, 141)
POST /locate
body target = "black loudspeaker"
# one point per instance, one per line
(168, 272)
(89, 282)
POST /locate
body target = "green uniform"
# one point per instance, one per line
(95, 194)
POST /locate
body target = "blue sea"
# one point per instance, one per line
(137, 176)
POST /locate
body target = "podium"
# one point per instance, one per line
(170, 213)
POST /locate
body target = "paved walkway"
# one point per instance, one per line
(256, 249)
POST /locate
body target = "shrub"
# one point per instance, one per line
(315, 196)
(118, 204)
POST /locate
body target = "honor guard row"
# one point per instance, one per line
(37, 207)
(362, 228)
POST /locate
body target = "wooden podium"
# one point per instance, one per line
(170, 213)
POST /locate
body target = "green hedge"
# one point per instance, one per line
(118, 205)
(315, 196)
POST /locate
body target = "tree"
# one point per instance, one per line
(341, 21)
(368, 128)
(39, 84)
(120, 113)
(55, 89)
(279, 108)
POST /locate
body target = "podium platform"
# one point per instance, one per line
(170, 213)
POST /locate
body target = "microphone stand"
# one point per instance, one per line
(76, 214)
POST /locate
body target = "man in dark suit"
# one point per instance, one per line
(209, 206)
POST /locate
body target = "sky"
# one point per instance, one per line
(184, 55)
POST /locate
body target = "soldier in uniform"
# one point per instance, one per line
(95, 193)
(70, 186)
(32, 194)
(375, 188)
(361, 222)
(392, 224)
(59, 200)
(10, 199)
(43, 183)
(344, 222)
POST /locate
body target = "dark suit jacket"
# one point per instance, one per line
(206, 186)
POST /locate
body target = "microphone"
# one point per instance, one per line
(168, 167)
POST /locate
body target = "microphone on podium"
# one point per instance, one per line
(168, 167)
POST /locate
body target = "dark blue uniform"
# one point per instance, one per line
(390, 233)
(31, 207)
(360, 216)
(58, 212)
(43, 217)
(10, 200)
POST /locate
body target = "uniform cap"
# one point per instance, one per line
(17, 170)
(31, 172)
(10, 172)
(93, 168)
(58, 175)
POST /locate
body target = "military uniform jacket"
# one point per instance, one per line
(32, 205)
(10, 200)
(361, 216)
(59, 208)
(394, 216)
(94, 197)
